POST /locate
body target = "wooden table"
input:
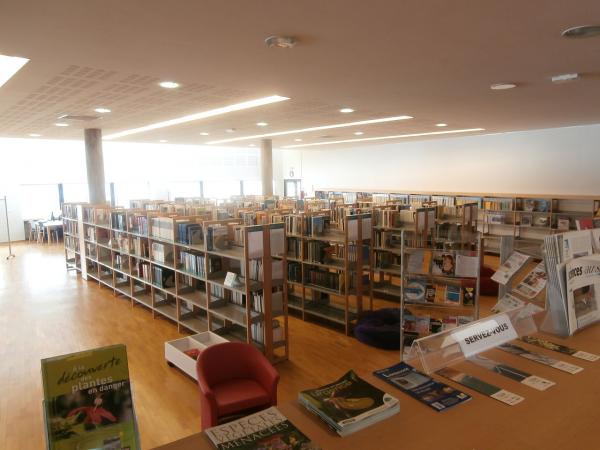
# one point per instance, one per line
(562, 417)
(50, 226)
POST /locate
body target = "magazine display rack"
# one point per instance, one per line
(449, 347)
(440, 270)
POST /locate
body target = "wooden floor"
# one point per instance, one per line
(47, 311)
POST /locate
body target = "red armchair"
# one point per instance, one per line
(234, 378)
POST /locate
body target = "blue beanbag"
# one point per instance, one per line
(379, 328)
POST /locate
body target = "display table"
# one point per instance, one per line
(563, 417)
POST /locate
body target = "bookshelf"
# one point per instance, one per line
(440, 266)
(169, 264)
(328, 266)
(528, 217)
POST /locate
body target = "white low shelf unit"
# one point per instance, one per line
(174, 350)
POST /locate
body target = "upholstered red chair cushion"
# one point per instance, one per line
(233, 396)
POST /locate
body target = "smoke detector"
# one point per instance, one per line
(582, 31)
(281, 41)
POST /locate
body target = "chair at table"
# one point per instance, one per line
(40, 231)
(235, 379)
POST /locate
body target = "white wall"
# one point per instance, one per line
(552, 161)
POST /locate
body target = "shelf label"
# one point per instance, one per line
(482, 336)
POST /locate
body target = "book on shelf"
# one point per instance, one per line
(217, 238)
(190, 233)
(563, 223)
(526, 220)
(88, 401)
(163, 278)
(443, 263)
(436, 395)
(349, 404)
(267, 429)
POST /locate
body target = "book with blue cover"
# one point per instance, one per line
(434, 394)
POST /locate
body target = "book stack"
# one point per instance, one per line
(295, 272)
(189, 233)
(349, 404)
(192, 263)
(160, 255)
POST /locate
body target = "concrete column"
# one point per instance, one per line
(94, 161)
(266, 166)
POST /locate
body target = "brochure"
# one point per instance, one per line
(434, 394)
(560, 348)
(509, 267)
(268, 429)
(533, 283)
(541, 359)
(539, 383)
(576, 244)
(507, 302)
(481, 386)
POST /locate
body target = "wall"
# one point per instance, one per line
(552, 161)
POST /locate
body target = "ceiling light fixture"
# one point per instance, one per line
(201, 115)
(565, 77)
(168, 84)
(252, 145)
(502, 86)
(381, 138)
(162, 141)
(281, 42)
(581, 31)
(230, 130)
(34, 135)
(261, 124)
(297, 140)
(346, 110)
(61, 124)
(358, 133)
(102, 110)
(441, 124)
(319, 128)
(204, 133)
(9, 66)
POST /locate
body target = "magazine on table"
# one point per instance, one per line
(481, 386)
(436, 395)
(541, 359)
(88, 402)
(349, 404)
(267, 429)
(509, 267)
(583, 291)
(533, 381)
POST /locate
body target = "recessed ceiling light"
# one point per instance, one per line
(261, 124)
(201, 115)
(502, 86)
(102, 110)
(34, 135)
(230, 130)
(297, 140)
(441, 124)
(252, 145)
(162, 141)
(582, 31)
(61, 124)
(168, 84)
(346, 110)
(204, 133)
(9, 66)
(381, 138)
(358, 133)
(318, 128)
(565, 77)
(280, 41)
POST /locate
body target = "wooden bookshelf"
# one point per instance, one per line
(159, 259)
(528, 217)
(327, 263)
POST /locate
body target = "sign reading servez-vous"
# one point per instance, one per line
(481, 336)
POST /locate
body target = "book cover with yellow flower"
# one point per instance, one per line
(88, 402)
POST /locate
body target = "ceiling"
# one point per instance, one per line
(431, 59)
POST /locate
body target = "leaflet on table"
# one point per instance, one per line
(434, 394)
(576, 244)
(509, 267)
(539, 383)
(481, 386)
(560, 348)
(506, 303)
(534, 282)
(484, 334)
(541, 359)
(583, 291)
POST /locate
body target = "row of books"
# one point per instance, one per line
(71, 227)
(141, 247)
(121, 262)
(138, 224)
(163, 278)
(498, 204)
(69, 211)
(119, 221)
(190, 233)
(162, 228)
(326, 279)
(294, 247)
(72, 243)
(384, 260)
(258, 331)
(294, 272)
(420, 291)
(423, 325)
(120, 242)
(293, 224)
(193, 263)
(162, 253)
(389, 240)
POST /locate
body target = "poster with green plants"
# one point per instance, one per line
(88, 402)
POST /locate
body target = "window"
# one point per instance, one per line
(221, 189)
(39, 201)
(252, 187)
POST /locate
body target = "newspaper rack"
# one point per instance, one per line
(449, 347)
